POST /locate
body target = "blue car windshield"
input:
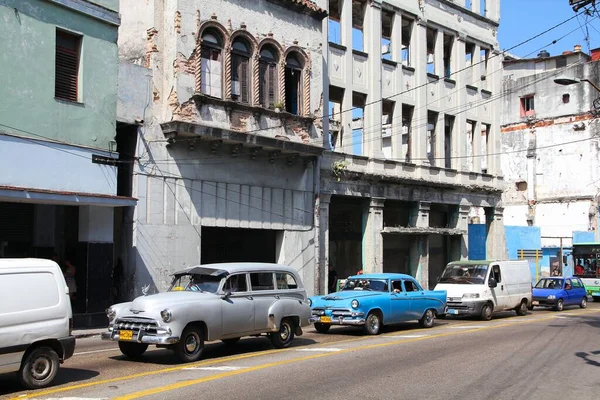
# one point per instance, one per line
(549, 284)
(464, 273)
(376, 285)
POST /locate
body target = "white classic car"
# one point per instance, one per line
(213, 302)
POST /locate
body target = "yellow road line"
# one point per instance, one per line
(180, 385)
(266, 352)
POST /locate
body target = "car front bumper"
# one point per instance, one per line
(141, 337)
(341, 320)
(543, 302)
(465, 307)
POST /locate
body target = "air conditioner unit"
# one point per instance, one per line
(386, 132)
(235, 88)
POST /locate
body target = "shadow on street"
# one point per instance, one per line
(9, 382)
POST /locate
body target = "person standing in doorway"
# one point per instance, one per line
(332, 281)
(70, 271)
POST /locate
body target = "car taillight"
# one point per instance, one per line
(70, 326)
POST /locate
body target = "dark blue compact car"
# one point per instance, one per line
(558, 292)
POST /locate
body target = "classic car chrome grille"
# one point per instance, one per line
(149, 326)
(336, 312)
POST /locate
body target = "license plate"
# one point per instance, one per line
(125, 335)
(452, 311)
(326, 320)
(535, 303)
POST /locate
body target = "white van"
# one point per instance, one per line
(35, 320)
(485, 287)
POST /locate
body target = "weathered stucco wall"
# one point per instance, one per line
(28, 29)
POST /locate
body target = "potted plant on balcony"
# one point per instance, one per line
(278, 106)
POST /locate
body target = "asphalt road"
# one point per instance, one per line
(544, 355)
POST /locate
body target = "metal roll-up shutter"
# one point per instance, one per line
(16, 222)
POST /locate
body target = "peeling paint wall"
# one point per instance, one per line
(551, 159)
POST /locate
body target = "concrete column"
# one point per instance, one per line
(439, 54)
(496, 239)
(462, 222)
(397, 39)
(372, 131)
(476, 6)
(420, 215)
(476, 75)
(459, 139)
(440, 134)
(322, 230)
(346, 117)
(419, 259)
(494, 139)
(419, 62)
(373, 240)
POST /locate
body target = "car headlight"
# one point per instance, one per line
(355, 303)
(309, 302)
(551, 297)
(471, 296)
(166, 315)
(111, 313)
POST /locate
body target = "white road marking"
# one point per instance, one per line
(222, 368)
(406, 336)
(322, 349)
(469, 327)
(94, 351)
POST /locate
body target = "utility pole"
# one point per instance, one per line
(579, 4)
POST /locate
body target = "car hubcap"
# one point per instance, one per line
(191, 344)
(374, 323)
(584, 302)
(429, 316)
(41, 368)
(488, 311)
(284, 332)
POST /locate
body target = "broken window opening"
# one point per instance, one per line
(387, 28)
(430, 139)
(484, 58)
(448, 47)
(448, 131)
(485, 147)
(358, 135)
(268, 76)
(358, 21)
(407, 28)
(336, 97)
(240, 70)
(212, 63)
(527, 106)
(469, 52)
(431, 38)
(293, 84)
(387, 123)
(483, 8)
(407, 119)
(471, 125)
(469, 4)
(521, 186)
(335, 21)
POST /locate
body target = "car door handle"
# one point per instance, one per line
(276, 296)
(249, 297)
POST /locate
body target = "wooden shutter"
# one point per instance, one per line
(263, 84)
(243, 76)
(272, 84)
(67, 66)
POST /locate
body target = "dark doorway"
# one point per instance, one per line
(345, 235)
(221, 245)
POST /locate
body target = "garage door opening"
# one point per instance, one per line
(221, 245)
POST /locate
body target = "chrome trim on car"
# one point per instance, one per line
(144, 339)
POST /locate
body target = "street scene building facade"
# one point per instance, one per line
(58, 192)
(414, 132)
(223, 102)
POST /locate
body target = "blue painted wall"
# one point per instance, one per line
(583, 237)
(477, 239)
(525, 238)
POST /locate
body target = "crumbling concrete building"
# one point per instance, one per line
(414, 127)
(220, 102)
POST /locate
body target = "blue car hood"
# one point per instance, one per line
(347, 295)
(545, 292)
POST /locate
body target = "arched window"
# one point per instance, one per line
(268, 76)
(212, 63)
(240, 70)
(293, 84)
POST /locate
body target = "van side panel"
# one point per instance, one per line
(517, 280)
(34, 306)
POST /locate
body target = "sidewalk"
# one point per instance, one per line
(84, 333)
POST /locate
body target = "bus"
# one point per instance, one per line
(586, 266)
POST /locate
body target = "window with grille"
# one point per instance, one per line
(67, 66)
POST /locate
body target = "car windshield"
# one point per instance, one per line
(376, 285)
(195, 283)
(464, 273)
(549, 284)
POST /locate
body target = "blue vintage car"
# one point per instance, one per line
(370, 300)
(557, 292)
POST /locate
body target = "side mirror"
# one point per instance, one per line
(492, 283)
(226, 295)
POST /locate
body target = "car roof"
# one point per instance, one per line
(25, 262)
(234, 267)
(382, 276)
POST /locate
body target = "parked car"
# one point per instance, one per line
(213, 302)
(371, 300)
(558, 292)
(35, 320)
(485, 287)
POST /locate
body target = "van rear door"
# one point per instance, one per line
(499, 293)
